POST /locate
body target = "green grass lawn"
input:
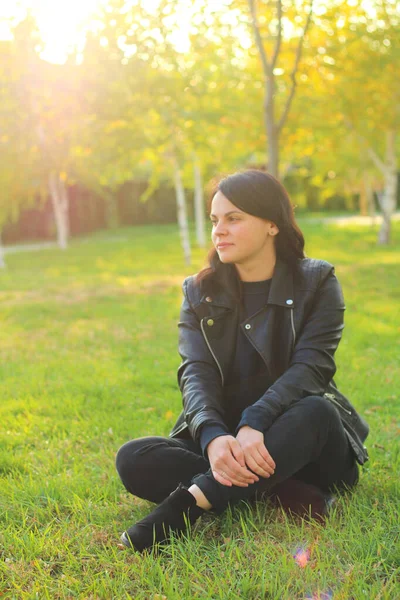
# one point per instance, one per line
(88, 345)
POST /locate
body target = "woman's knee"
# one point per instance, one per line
(319, 409)
(130, 457)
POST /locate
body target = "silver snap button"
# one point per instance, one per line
(208, 299)
(210, 322)
(247, 326)
(289, 301)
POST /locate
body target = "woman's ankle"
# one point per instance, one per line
(201, 500)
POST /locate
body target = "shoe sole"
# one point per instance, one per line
(126, 541)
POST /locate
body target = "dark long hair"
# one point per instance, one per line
(260, 194)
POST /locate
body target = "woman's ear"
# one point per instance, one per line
(273, 229)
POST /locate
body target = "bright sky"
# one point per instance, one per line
(62, 23)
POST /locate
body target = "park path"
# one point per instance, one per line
(351, 220)
(28, 247)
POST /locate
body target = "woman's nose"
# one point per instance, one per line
(219, 229)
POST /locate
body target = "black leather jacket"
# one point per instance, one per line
(310, 309)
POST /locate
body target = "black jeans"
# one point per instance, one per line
(307, 442)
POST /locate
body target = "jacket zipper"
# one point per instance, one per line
(333, 399)
(181, 428)
(293, 329)
(211, 350)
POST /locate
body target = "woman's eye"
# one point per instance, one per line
(231, 219)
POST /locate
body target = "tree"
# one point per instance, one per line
(269, 61)
(47, 107)
(170, 112)
(19, 180)
(364, 53)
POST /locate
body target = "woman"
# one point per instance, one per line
(258, 332)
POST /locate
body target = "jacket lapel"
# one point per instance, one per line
(220, 318)
(281, 292)
(275, 316)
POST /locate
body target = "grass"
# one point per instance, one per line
(88, 361)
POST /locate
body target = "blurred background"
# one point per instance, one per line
(116, 117)
(121, 112)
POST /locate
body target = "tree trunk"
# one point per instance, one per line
(199, 205)
(182, 214)
(274, 126)
(387, 202)
(59, 199)
(363, 200)
(273, 153)
(388, 199)
(111, 205)
(2, 261)
(369, 195)
(271, 129)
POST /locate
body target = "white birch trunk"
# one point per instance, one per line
(181, 213)
(2, 261)
(388, 200)
(199, 205)
(59, 199)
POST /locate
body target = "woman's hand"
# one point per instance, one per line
(257, 457)
(227, 462)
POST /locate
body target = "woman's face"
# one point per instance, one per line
(238, 237)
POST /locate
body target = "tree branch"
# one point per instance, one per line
(294, 72)
(279, 37)
(267, 68)
(378, 162)
(374, 157)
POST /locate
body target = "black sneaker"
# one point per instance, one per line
(303, 499)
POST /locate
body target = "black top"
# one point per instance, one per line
(248, 377)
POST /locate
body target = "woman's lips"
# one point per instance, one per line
(222, 246)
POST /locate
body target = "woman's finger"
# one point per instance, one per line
(257, 466)
(230, 469)
(260, 460)
(235, 471)
(221, 479)
(224, 480)
(237, 478)
(238, 453)
(266, 456)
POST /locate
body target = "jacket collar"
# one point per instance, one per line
(281, 291)
(221, 291)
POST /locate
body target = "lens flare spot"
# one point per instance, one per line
(302, 557)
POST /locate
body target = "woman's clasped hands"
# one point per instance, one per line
(240, 460)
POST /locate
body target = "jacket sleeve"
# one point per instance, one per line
(198, 377)
(312, 364)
